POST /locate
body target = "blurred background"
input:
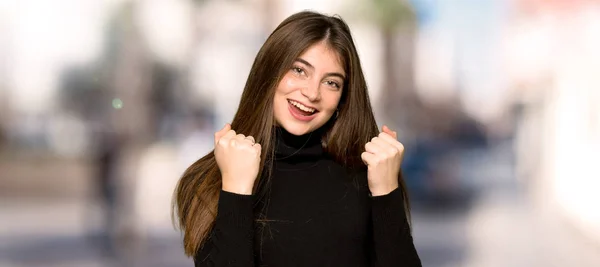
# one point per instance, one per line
(103, 104)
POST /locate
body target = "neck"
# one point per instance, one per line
(297, 146)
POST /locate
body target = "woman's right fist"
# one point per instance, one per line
(238, 158)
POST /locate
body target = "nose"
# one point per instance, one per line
(312, 92)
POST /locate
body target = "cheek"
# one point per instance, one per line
(331, 101)
(280, 104)
(288, 84)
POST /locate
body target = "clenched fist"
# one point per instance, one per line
(383, 157)
(238, 158)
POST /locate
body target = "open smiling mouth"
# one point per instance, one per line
(300, 111)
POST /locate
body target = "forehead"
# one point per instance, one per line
(323, 56)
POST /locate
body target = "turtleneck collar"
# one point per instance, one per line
(293, 147)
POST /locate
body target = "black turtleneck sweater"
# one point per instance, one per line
(318, 214)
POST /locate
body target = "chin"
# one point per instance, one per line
(298, 128)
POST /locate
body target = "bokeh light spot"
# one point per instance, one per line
(117, 103)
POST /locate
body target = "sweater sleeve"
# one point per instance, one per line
(393, 242)
(231, 241)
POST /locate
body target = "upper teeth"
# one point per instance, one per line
(302, 107)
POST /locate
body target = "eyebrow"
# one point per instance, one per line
(326, 74)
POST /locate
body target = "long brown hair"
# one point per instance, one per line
(197, 193)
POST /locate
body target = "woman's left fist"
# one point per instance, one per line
(383, 157)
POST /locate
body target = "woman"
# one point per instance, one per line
(302, 176)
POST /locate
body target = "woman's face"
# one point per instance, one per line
(309, 93)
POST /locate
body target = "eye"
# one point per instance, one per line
(298, 70)
(333, 84)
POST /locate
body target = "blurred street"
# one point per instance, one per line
(500, 226)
